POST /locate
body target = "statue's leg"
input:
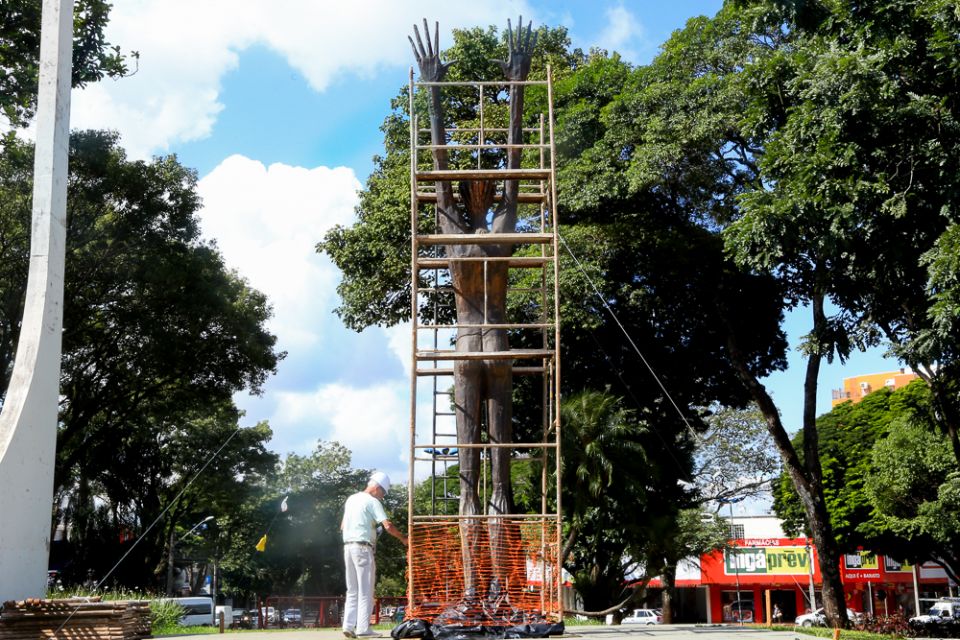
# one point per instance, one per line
(499, 416)
(467, 390)
(498, 389)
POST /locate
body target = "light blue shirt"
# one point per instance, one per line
(361, 515)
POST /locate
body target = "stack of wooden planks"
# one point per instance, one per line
(75, 619)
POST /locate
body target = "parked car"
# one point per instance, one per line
(196, 611)
(819, 619)
(943, 611)
(292, 617)
(643, 616)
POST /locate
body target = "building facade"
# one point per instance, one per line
(857, 388)
(734, 584)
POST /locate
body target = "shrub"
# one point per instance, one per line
(164, 614)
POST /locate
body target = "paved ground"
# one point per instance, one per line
(623, 632)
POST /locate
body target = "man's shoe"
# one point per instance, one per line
(349, 634)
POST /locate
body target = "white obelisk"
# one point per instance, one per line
(28, 422)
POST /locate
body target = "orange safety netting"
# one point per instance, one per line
(472, 571)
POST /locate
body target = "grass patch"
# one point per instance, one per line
(177, 630)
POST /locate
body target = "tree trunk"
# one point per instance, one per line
(669, 580)
(806, 475)
(947, 412)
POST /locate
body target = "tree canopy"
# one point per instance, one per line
(93, 57)
(158, 336)
(889, 477)
(656, 262)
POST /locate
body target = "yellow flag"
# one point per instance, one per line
(262, 545)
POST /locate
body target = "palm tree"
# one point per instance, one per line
(605, 481)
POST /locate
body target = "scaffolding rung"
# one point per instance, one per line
(492, 445)
(442, 372)
(522, 198)
(449, 175)
(488, 516)
(455, 146)
(484, 238)
(481, 83)
(512, 261)
(511, 354)
(478, 130)
(444, 413)
(491, 325)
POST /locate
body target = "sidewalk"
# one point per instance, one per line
(593, 632)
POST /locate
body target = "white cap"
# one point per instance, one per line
(382, 479)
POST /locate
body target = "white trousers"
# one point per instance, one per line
(361, 569)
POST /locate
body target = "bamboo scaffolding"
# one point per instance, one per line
(431, 252)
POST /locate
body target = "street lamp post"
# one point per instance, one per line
(172, 545)
(736, 567)
(734, 555)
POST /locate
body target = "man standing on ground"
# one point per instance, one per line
(361, 515)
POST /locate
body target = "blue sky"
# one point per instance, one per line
(277, 105)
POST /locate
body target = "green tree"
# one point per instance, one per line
(914, 486)
(304, 551)
(789, 125)
(855, 106)
(606, 466)
(693, 533)
(93, 57)
(846, 436)
(158, 333)
(657, 265)
(884, 465)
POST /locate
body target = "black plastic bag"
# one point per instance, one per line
(413, 628)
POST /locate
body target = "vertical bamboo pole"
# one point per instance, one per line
(413, 342)
(556, 328)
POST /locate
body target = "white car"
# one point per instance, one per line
(943, 611)
(819, 619)
(643, 616)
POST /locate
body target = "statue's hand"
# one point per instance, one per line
(428, 58)
(520, 52)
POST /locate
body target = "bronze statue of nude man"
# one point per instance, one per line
(479, 382)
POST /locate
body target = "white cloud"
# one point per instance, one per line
(623, 33)
(266, 221)
(370, 421)
(186, 47)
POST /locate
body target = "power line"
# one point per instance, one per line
(636, 349)
(154, 523)
(627, 335)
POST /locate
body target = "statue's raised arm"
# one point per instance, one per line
(516, 68)
(519, 51)
(432, 69)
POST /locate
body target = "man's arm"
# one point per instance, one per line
(396, 533)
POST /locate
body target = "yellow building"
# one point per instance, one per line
(857, 387)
